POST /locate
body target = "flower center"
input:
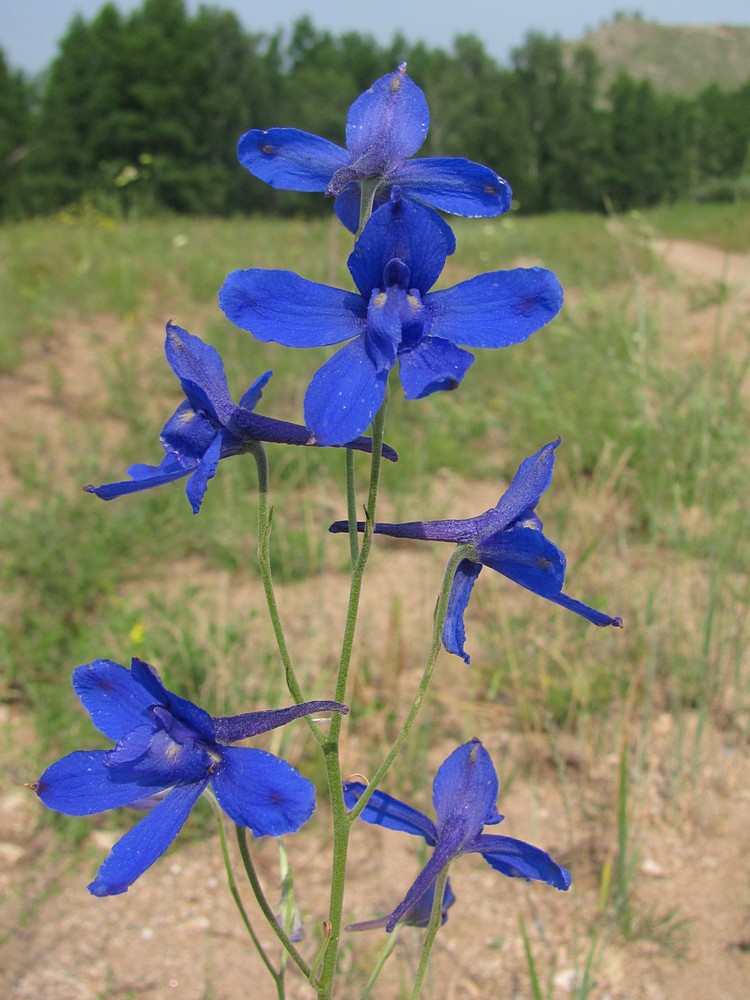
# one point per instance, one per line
(395, 317)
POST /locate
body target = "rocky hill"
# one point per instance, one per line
(677, 59)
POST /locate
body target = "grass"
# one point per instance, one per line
(722, 225)
(657, 439)
(647, 501)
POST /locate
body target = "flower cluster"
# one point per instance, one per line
(167, 751)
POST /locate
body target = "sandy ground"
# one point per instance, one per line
(176, 934)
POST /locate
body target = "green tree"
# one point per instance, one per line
(651, 144)
(722, 131)
(159, 87)
(565, 130)
(15, 126)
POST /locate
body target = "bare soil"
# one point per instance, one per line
(175, 934)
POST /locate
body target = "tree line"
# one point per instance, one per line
(146, 109)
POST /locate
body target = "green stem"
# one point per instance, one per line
(340, 817)
(436, 919)
(265, 517)
(260, 896)
(351, 508)
(234, 890)
(358, 571)
(441, 608)
(383, 957)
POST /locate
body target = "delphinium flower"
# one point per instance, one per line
(385, 127)
(507, 538)
(207, 426)
(464, 794)
(166, 743)
(395, 317)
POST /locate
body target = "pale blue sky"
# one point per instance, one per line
(31, 29)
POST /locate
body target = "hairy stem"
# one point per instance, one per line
(341, 823)
(351, 508)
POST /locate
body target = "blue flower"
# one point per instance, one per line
(395, 262)
(165, 743)
(385, 127)
(464, 794)
(207, 426)
(508, 538)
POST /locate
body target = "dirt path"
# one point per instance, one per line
(703, 263)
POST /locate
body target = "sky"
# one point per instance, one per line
(31, 29)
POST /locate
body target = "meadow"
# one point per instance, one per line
(626, 750)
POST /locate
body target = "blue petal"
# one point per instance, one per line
(384, 810)
(115, 701)
(590, 614)
(454, 185)
(344, 395)
(454, 633)
(252, 396)
(525, 556)
(289, 159)
(464, 792)
(405, 231)
(169, 465)
(146, 842)
(205, 471)
(419, 915)
(388, 122)
(153, 756)
(517, 859)
(201, 373)
(231, 728)
(262, 792)
(384, 328)
(441, 856)
(187, 435)
(347, 208)
(282, 307)
(82, 783)
(146, 478)
(496, 309)
(194, 717)
(532, 478)
(433, 365)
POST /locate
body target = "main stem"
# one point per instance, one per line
(330, 745)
